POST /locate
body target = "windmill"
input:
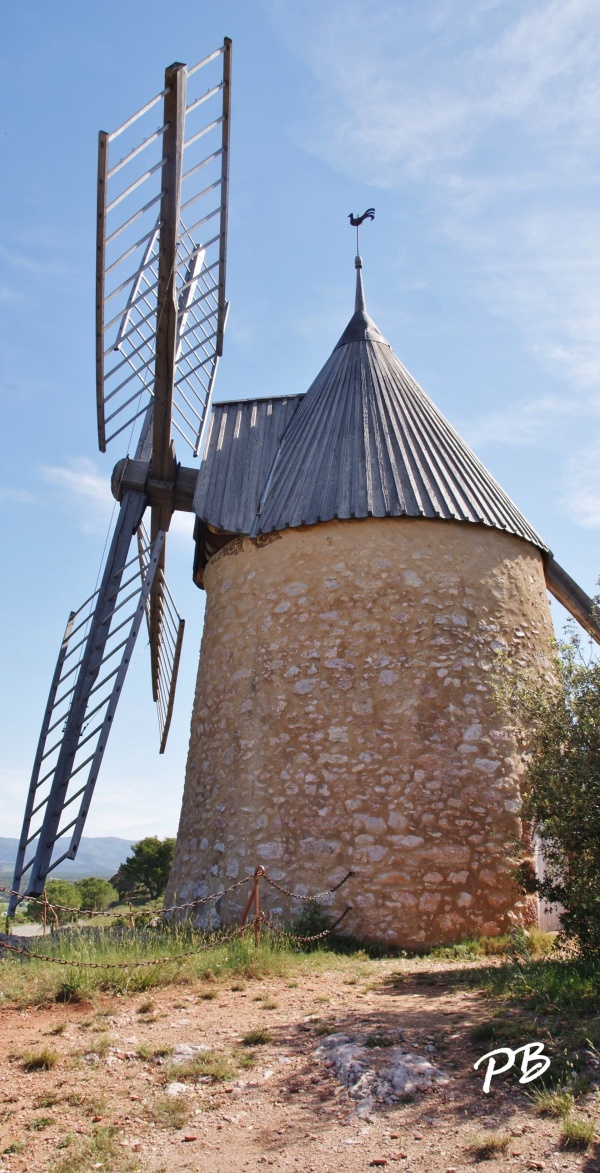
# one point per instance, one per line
(361, 565)
(160, 319)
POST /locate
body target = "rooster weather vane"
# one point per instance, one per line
(356, 221)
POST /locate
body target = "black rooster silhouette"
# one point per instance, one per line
(357, 220)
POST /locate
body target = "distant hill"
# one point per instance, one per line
(96, 857)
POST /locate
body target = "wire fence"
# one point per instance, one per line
(258, 924)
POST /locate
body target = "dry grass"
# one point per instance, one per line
(170, 1112)
(43, 1060)
(485, 1148)
(548, 1103)
(256, 1038)
(100, 1151)
(205, 1063)
(577, 1132)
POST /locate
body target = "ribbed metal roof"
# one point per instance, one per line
(241, 446)
(365, 441)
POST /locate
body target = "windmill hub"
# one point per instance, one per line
(134, 476)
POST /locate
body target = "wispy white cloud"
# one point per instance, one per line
(20, 496)
(526, 425)
(581, 496)
(491, 112)
(83, 492)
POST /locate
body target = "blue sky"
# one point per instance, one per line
(471, 126)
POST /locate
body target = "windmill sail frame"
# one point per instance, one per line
(102, 634)
(139, 195)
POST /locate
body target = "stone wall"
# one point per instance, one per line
(343, 719)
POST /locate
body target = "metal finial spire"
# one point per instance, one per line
(359, 304)
(356, 222)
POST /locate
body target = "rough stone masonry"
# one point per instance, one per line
(343, 718)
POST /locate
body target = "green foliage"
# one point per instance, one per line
(146, 870)
(560, 722)
(96, 894)
(57, 892)
(311, 921)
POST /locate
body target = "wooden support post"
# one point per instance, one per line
(44, 907)
(254, 899)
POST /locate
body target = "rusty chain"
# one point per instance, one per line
(315, 936)
(296, 896)
(90, 912)
(237, 932)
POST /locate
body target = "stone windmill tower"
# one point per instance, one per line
(361, 568)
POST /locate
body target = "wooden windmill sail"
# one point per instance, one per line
(160, 319)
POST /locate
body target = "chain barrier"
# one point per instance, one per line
(296, 896)
(257, 923)
(315, 936)
(89, 913)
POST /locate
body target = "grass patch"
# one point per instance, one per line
(381, 1039)
(551, 1103)
(39, 1123)
(256, 1038)
(146, 1007)
(32, 982)
(151, 1054)
(47, 1101)
(59, 1029)
(43, 1060)
(245, 1059)
(549, 986)
(205, 1063)
(17, 1146)
(485, 1148)
(576, 1133)
(100, 1151)
(170, 1112)
(320, 1029)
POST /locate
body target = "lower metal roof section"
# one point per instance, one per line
(242, 441)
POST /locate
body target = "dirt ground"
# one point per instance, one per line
(286, 1110)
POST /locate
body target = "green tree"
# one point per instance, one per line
(96, 894)
(57, 892)
(560, 722)
(146, 870)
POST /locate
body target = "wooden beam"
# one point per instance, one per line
(224, 191)
(577, 603)
(100, 251)
(163, 458)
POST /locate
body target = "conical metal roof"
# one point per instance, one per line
(366, 441)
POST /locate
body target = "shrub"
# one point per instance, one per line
(311, 921)
(96, 894)
(559, 720)
(58, 892)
